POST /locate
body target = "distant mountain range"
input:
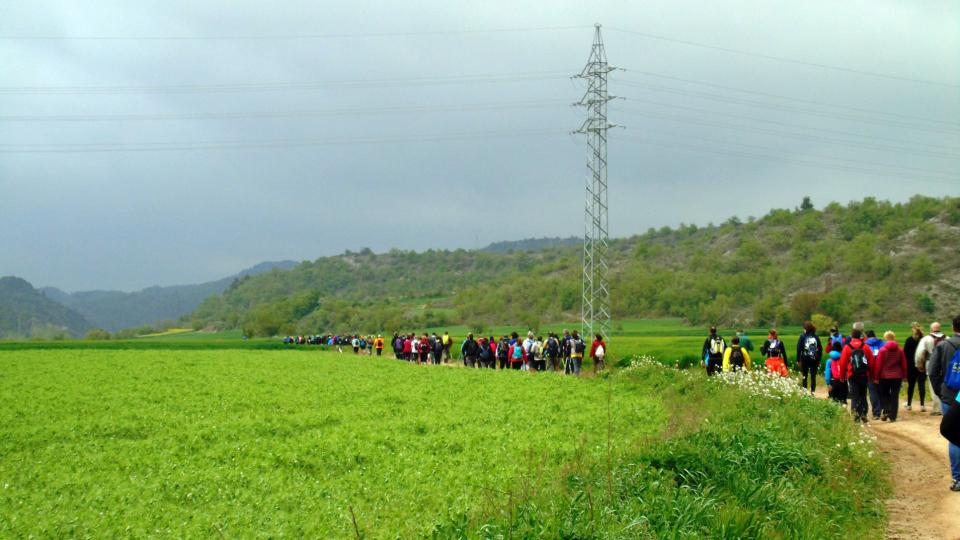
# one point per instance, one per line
(25, 312)
(532, 244)
(115, 310)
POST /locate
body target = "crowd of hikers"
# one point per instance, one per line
(557, 352)
(864, 369)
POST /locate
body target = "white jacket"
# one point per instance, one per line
(925, 351)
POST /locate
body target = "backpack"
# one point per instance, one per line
(485, 352)
(503, 348)
(736, 357)
(579, 346)
(600, 352)
(553, 348)
(518, 352)
(858, 361)
(810, 348)
(717, 346)
(951, 377)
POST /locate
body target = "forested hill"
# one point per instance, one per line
(25, 312)
(114, 310)
(871, 259)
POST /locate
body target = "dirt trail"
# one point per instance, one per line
(922, 507)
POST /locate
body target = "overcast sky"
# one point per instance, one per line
(385, 124)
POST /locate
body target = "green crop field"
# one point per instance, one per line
(240, 443)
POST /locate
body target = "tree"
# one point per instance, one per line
(97, 334)
(806, 205)
(926, 304)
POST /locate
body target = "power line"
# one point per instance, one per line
(786, 60)
(814, 156)
(283, 114)
(806, 163)
(788, 108)
(256, 87)
(46, 148)
(791, 135)
(790, 98)
(295, 36)
(937, 147)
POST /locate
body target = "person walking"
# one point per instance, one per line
(888, 373)
(775, 353)
(577, 347)
(736, 357)
(437, 349)
(469, 351)
(503, 352)
(517, 356)
(424, 348)
(835, 378)
(922, 359)
(854, 363)
(944, 372)
(447, 344)
(712, 351)
(809, 354)
(915, 378)
(553, 351)
(745, 342)
(598, 351)
(378, 345)
(875, 345)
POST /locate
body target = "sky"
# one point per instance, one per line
(167, 142)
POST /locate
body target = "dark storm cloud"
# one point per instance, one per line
(691, 152)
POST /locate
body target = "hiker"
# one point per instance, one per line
(408, 348)
(485, 355)
(424, 348)
(922, 360)
(355, 343)
(528, 352)
(468, 351)
(539, 363)
(736, 357)
(517, 356)
(503, 352)
(598, 351)
(553, 351)
(888, 373)
(565, 348)
(378, 345)
(447, 344)
(745, 342)
(854, 364)
(875, 345)
(776, 354)
(809, 354)
(915, 377)
(712, 352)
(944, 372)
(836, 337)
(437, 350)
(577, 347)
(835, 378)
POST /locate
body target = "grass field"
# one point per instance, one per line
(230, 442)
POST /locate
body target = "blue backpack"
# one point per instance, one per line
(951, 379)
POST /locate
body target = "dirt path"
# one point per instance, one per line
(922, 506)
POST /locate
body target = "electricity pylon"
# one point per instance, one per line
(595, 306)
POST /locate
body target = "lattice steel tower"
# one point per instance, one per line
(595, 307)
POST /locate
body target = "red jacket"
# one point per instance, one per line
(407, 346)
(845, 368)
(891, 363)
(597, 343)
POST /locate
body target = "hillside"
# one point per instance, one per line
(532, 244)
(114, 310)
(25, 312)
(871, 259)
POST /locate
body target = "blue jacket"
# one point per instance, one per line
(875, 344)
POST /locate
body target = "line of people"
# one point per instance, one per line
(534, 353)
(864, 369)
